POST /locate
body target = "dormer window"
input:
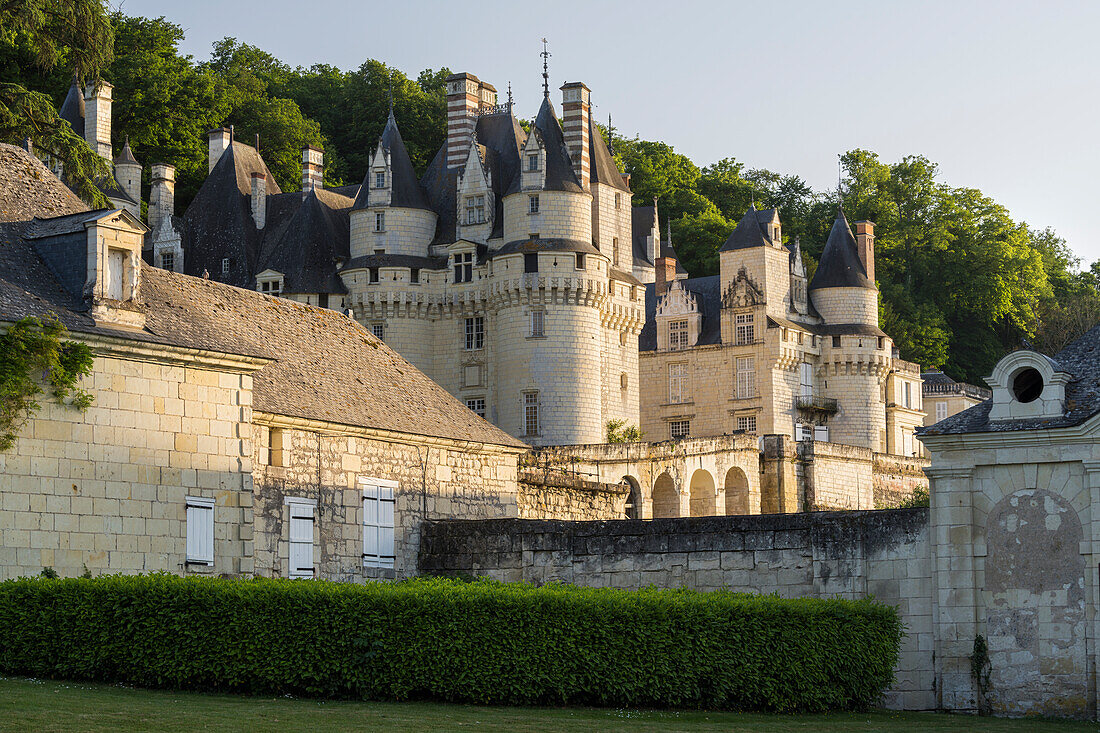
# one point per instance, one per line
(168, 261)
(380, 179)
(1027, 385)
(532, 204)
(533, 162)
(271, 287)
(778, 238)
(464, 267)
(475, 209)
(379, 221)
(678, 335)
(116, 273)
(225, 267)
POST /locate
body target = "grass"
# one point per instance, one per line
(37, 705)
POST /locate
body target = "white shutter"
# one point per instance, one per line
(116, 265)
(301, 540)
(806, 379)
(378, 523)
(821, 432)
(200, 531)
(941, 411)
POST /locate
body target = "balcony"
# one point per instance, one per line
(816, 403)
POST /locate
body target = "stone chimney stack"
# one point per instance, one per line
(488, 95)
(97, 118)
(313, 167)
(865, 245)
(576, 108)
(219, 143)
(259, 198)
(463, 105)
(162, 195)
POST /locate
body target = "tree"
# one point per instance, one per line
(78, 31)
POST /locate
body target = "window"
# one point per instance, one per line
(806, 379)
(618, 200)
(836, 342)
(615, 251)
(379, 330)
(200, 531)
(624, 381)
(743, 331)
(821, 433)
(464, 267)
(477, 405)
(677, 383)
(380, 179)
(533, 163)
(475, 209)
(379, 221)
(531, 262)
(677, 335)
(116, 273)
(679, 429)
(622, 338)
(881, 342)
(533, 205)
(378, 505)
(941, 411)
(746, 377)
(531, 413)
(907, 394)
(225, 266)
(372, 274)
(802, 431)
(580, 260)
(475, 333)
(271, 287)
(906, 443)
(414, 275)
(168, 261)
(276, 447)
(301, 537)
(538, 323)
(799, 337)
(748, 424)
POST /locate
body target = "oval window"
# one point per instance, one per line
(1027, 385)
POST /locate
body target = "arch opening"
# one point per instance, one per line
(633, 507)
(666, 500)
(703, 494)
(736, 490)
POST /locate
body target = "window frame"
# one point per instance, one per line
(383, 492)
(204, 508)
(301, 505)
(531, 417)
(474, 330)
(746, 377)
(537, 323)
(941, 407)
(678, 392)
(380, 179)
(744, 329)
(678, 335)
(379, 221)
(463, 267)
(168, 261)
(472, 404)
(533, 204)
(747, 423)
(675, 434)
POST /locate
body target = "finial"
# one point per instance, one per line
(668, 231)
(231, 135)
(610, 135)
(839, 177)
(257, 142)
(545, 70)
(509, 96)
(390, 76)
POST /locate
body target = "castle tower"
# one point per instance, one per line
(128, 175)
(855, 354)
(756, 248)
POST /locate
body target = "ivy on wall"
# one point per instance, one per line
(33, 352)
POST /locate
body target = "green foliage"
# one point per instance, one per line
(48, 572)
(618, 431)
(919, 498)
(480, 642)
(30, 350)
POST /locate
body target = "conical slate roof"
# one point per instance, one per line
(559, 168)
(126, 157)
(405, 189)
(749, 232)
(306, 250)
(604, 168)
(72, 109)
(840, 266)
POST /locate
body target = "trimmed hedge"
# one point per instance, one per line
(480, 642)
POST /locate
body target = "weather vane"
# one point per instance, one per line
(545, 70)
(509, 96)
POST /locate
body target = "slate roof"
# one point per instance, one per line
(840, 266)
(750, 231)
(324, 365)
(603, 167)
(707, 291)
(642, 219)
(405, 189)
(126, 156)
(390, 260)
(308, 246)
(559, 168)
(1081, 359)
(936, 377)
(548, 244)
(72, 109)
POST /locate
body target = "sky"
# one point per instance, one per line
(1003, 96)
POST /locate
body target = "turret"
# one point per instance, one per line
(128, 175)
(841, 290)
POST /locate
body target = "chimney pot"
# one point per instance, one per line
(219, 143)
(162, 195)
(313, 165)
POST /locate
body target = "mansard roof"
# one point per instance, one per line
(72, 109)
(306, 249)
(126, 156)
(750, 231)
(840, 266)
(603, 166)
(405, 189)
(1081, 359)
(321, 365)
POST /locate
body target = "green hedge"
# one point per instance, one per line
(481, 642)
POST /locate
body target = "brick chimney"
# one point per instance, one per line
(97, 118)
(313, 167)
(666, 273)
(576, 108)
(219, 143)
(463, 104)
(259, 198)
(162, 195)
(865, 245)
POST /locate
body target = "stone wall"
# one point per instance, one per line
(547, 494)
(897, 477)
(850, 555)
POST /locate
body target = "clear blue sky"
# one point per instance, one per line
(1002, 95)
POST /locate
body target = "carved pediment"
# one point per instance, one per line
(742, 292)
(677, 301)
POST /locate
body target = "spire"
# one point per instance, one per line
(545, 70)
(390, 77)
(126, 156)
(840, 265)
(509, 96)
(610, 135)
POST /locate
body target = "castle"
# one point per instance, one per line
(761, 348)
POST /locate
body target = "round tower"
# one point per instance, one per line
(128, 174)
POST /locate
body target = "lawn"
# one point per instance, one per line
(46, 705)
